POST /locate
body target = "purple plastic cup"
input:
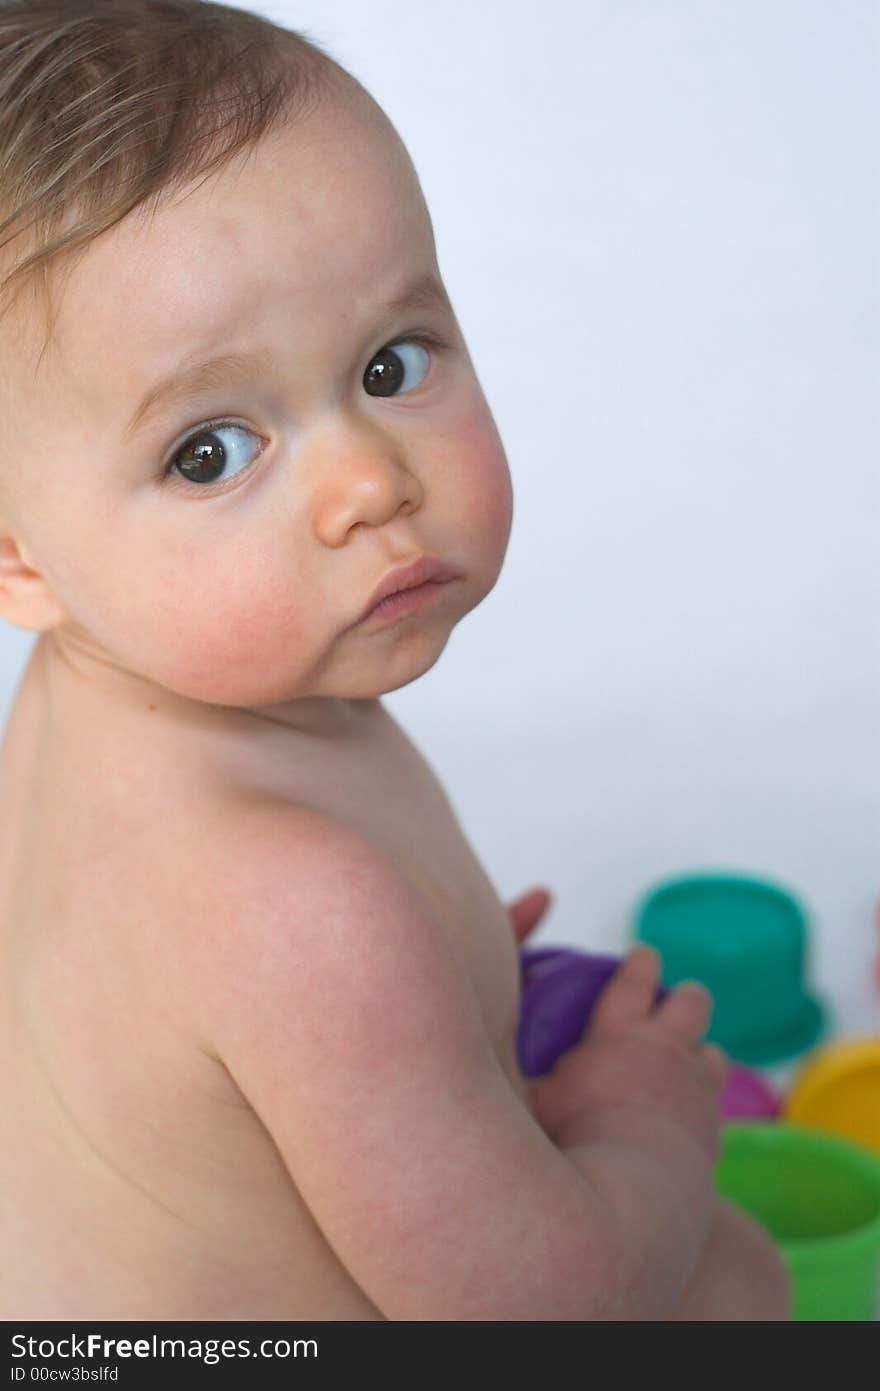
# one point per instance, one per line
(747, 1096)
(560, 986)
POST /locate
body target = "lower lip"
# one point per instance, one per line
(407, 601)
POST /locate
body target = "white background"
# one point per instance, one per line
(658, 223)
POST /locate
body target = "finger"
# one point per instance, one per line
(685, 1013)
(716, 1063)
(527, 911)
(629, 995)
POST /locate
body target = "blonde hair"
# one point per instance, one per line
(107, 104)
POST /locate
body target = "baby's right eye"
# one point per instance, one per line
(202, 458)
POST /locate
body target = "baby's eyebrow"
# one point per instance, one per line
(185, 382)
(189, 379)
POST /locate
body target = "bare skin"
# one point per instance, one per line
(213, 829)
(137, 1180)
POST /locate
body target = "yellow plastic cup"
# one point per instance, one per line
(838, 1090)
(818, 1197)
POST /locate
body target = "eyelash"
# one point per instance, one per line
(425, 340)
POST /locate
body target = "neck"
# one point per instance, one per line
(86, 672)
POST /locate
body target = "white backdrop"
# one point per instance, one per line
(658, 221)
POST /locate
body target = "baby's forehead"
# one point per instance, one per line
(319, 210)
(310, 195)
(93, 374)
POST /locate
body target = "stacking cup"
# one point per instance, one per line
(818, 1197)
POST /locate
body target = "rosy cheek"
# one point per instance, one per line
(481, 477)
(235, 638)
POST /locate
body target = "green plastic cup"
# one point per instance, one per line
(818, 1197)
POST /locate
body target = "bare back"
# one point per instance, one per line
(136, 1180)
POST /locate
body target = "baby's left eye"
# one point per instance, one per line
(394, 364)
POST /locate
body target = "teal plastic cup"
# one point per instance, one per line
(818, 1197)
(746, 940)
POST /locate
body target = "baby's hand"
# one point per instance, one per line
(640, 1056)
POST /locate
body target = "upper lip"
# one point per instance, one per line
(420, 571)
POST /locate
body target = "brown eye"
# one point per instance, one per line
(394, 365)
(204, 457)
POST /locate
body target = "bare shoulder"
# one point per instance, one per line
(301, 917)
(295, 864)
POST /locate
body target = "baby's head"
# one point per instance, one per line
(184, 182)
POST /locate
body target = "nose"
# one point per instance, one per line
(359, 476)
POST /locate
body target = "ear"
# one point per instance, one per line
(26, 598)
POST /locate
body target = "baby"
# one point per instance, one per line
(259, 996)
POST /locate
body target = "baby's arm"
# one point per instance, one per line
(342, 1014)
(611, 1084)
(639, 1098)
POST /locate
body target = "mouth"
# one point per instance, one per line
(407, 587)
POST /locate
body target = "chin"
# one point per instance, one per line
(412, 675)
(402, 667)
